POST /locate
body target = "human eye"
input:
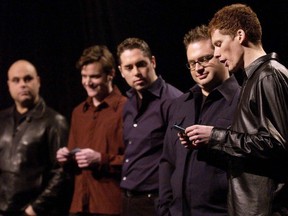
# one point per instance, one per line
(128, 67)
(218, 44)
(28, 79)
(15, 80)
(96, 76)
(141, 64)
(191, 64)
(206, 58)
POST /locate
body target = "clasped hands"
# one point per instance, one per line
(84, 157)
(195, 136)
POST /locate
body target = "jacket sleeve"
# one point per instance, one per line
(57, 194)
(166, 168)
(271, 135)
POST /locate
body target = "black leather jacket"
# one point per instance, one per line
(257, 140)
(29, 174)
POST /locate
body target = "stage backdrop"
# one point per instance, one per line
(52, 35)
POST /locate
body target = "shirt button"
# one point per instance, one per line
(127, 160)
(130, 142)
(135, 125)
(124, 178)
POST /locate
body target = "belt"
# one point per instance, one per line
(133, 193)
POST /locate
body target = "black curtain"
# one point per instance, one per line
(52, 35)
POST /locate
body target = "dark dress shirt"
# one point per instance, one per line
(144, 131)
(194, 182)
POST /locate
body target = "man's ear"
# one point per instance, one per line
(241, 36)
(153, 60)
(111, 75)
(39, 80)
(120, 69)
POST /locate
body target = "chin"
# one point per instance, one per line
(91, 94)
(233, 69)
(139, 88)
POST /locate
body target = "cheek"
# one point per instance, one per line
(193, 74)
(83, 81)
(127, 77)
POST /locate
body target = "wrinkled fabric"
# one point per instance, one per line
(194, 182)
(97, 188)
(257, 140)
(29, 173)
(144, 131)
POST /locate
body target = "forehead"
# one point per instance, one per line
(216, 36)
(92, 68)
(21, 69)
(130, 56)
(199, 49)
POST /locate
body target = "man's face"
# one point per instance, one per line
(23, 83)
(207, 73)
(228, 50)
(96, 82)
(138, 70)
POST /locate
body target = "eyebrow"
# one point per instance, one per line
(207, 55)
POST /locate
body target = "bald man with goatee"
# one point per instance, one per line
(31, 181)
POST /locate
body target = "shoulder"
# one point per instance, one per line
(54, 118)
(118, 97)
(171, 91)
(80, 108)
(6, 113)
(271, 72)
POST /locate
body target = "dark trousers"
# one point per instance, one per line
(138, 204)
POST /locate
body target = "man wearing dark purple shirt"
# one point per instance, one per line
(146, 116)
(194, 182)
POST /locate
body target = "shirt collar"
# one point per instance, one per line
(227, 89)
(112, 100)
(249, 70)
(154, 89)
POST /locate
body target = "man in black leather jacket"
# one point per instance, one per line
(31, 182)
(257, 139)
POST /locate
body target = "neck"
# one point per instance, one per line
(98, 100)
(252, 53)
(26, 106)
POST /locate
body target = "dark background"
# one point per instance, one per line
(52, 34)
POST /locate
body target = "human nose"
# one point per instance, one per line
(198, 66)
(135, 70)
(22, 82)
(87, 80)
(217, 52)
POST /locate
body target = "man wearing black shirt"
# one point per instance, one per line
(193, 182)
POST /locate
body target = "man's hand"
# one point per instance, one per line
(184, 139)
(29, 211)
(199, 135)
(195, 136)
(62, 155)
(87, 157)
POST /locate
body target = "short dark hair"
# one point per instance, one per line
(97, 53)
(231, 18)
(134, 43)
(196, 34)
